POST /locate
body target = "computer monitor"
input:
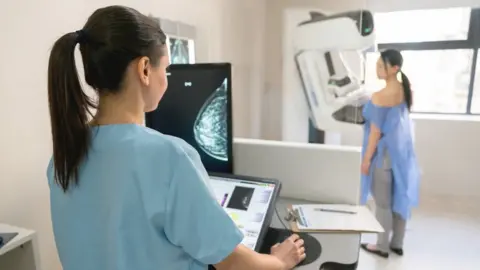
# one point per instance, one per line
(197, 107)
(250, 202)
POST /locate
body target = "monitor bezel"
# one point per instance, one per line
(271, 206)
(228, 68)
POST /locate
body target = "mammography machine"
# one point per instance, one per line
(328, 65)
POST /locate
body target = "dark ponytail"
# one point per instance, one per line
(110, 40)
(407, 90)
(69, 107)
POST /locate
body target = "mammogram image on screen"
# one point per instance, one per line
(211, 126)
(196, 108)
(241, 198)
(179, 51)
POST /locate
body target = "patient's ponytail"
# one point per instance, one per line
(407, 91)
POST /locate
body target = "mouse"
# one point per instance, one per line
(313, 248)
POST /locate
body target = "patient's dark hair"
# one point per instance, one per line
(394, 58)
(111, 38)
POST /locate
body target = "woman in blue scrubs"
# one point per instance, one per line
(123, 196)
(389, 167)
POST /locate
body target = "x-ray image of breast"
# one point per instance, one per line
(210, 128)
(179, 51)
(241, 198)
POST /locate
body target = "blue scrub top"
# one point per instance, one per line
(397, 139)
(142, 202)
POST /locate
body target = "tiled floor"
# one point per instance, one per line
(436, 240)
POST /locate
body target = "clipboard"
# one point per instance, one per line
(361, 221)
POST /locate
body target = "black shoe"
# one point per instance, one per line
(380, 253)
(398, 251)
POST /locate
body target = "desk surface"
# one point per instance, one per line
(339, 248)
(23, 237)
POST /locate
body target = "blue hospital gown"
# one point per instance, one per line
(142, 202)
(395, 126)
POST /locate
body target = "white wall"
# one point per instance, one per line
(28, 29)
(449, 152)
(447, 146)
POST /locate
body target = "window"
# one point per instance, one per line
(440, 50)
(442, 84)
(476, 90)
(422, 25)
(181, 50)
(442, 78)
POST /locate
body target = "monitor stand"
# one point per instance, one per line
(313, 248)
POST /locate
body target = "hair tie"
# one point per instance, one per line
(81, 36)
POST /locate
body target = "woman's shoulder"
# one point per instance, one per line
(158, 153)
(379, 101)
(378, 98)
(385, 100)
(160, 141)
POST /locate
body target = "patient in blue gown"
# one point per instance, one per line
(389, 165)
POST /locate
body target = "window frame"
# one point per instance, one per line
(472, 42)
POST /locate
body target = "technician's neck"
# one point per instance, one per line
(119, 110)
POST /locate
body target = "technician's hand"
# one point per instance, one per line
(291, 252)
(365, 167)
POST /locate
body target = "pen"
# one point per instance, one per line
(335, 211)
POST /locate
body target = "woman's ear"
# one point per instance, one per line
(144, 70)
(396, 68)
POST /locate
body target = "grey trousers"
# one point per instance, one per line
(382, 191)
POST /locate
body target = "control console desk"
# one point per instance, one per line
(311, 173)
(338, 251)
